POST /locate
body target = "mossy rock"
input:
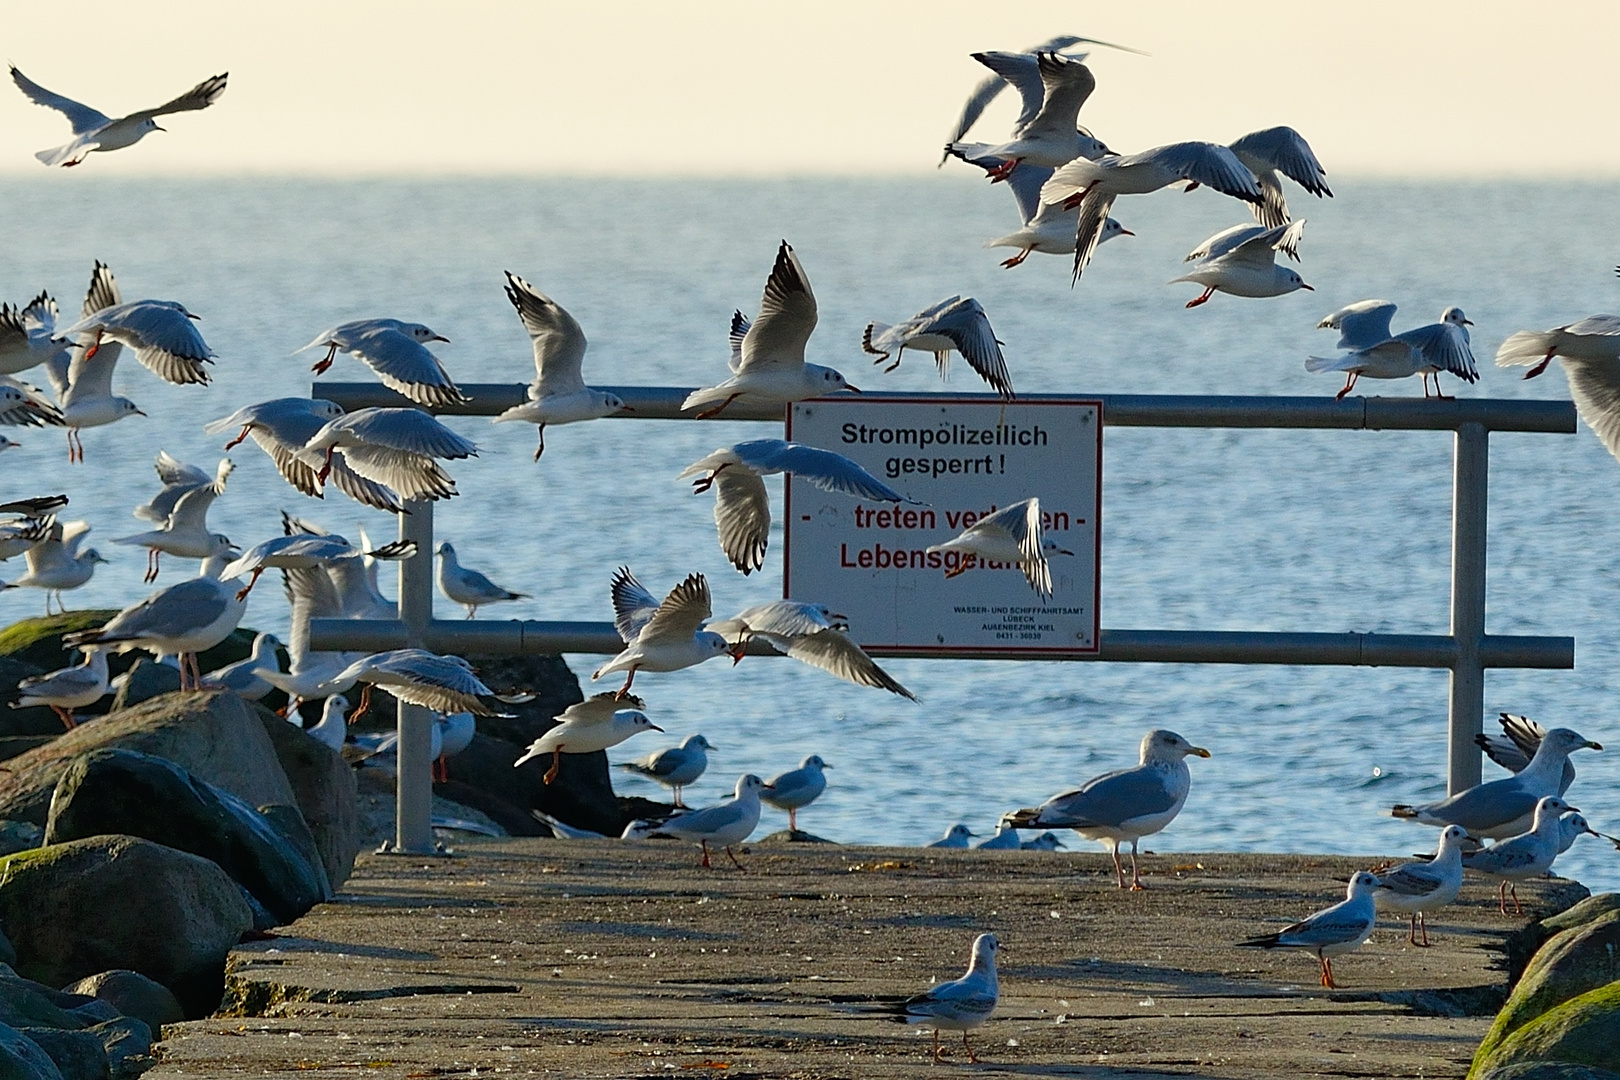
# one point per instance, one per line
(39, 642)
(1582, 1031)
(1548, 1070)
(1589, 910)
(1582, 958)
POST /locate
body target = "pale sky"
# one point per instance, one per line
(1415, 87)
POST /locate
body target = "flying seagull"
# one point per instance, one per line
(94, 131)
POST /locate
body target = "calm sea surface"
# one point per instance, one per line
(1265, 530)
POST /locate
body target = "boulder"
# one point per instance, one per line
(582, 794)
(19, 836)
(36, 720)
(214, 735)
(127, 1042)
(122, 791)
(144, 681)
(515, 820)
(289, 822)
(12, 745)
(1579, 959)
(323, 789)
(1584, 1030)
(22, 1059)
(78, 1055)
(1547, 1070)
(133, 994)
(24, 1003)
(547, 677)
(75, 909)
(1588, 910)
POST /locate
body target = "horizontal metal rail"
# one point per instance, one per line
(513, 636)
(1119, 410)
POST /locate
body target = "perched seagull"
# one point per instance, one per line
(952, 325)
(1279, 149)
(585, 727)
(724, 825)
(281, 427)
(768, 367)
(467, 587)
(811, 634)
(185, 532)
(558, 394)
(397, 351)
(1046, 227)
(1572, 826)
(67, 688)
(1427, 350)
(1047, 841)
(1331, 931)
(1126, 804)
(92, 131)
(392, 447)
(1504, 808)
(955, 837)
(797, 788)
(742, 510)
(1005, 839)
(27, 335)
(180, 621)
(665, 636)
(1094, 185)
(177, 479)
(1527, 855)
(561, 830)
(333, 729)
(1242, 261)
(242, 678)
(1590, 350)
(302, 551)
(1011, 536)
(159, 331)
(1052, 137)
(675, 767)
(56, 564)
(959, 1005)
(1517, 745)
(445, 684)
(82, 378)
(1419, 887)
(25, 405)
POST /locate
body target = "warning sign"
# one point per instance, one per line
(960, 459)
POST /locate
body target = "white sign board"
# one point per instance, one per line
(961, 459)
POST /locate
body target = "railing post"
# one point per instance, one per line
(413, 791)
(1469, 501)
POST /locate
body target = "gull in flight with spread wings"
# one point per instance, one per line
(1242, 261)
(1011, 536)
(1279, 150)
(665, 636)
(397, 351)
(1590, 350)
(94, 131)
(952, 325)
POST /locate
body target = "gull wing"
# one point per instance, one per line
(409, 430)
(1025, 182)
(785, 618)
(559, 343)
(177, 478)
(31, 409)
(82, 117)
(164, 338)
(830, 650)
(407, 474)
(1066, 85)
(103, 291)
(681, 615)
(1021, 71)
(1088, 227)
(406, 365)
(787, 315)
(1595, 326)
(1361, 325)
(707, 820)
(168, 612)
(633, 605)
(1410, 879)
(1261, 248)
(1223, 242)
(736, 337)
(1209, 164)
(1444, 346)
(1284, 149)
(1110, 799)
(1331, 926)
(1595, 388)
(200, 96)
(191, 509)
(825, 469)
(742, 514)
(968, 328)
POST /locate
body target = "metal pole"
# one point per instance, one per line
(413, 792)
(1469, 501)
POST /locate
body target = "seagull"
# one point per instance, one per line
(1052, 136)
(1047, 227)
(35, 506)
(1279, 149)
(468, 587)
(797, 788)
(561, 830)
(242, 678)
(1005, 839)
(1010, 536)
(955, 837)
(1573, 826)
(25, 405)
(445, 684)
(665, 636)
(181, 621)
(1517, 744)
(1527, 855)
(160, 332)
(332, 730)
(185, 533)
(82, 377)
(585, 727)
(724, 825)
(1427, 350)
(742, 511)
(1126, 804)
(675, 767)
(1419, 887)
(813, 635)
(453, 734)
(392, 447)
(1331, 931)
(558, 394)
(56, 564)
(313, 593)
(92, 131)
(27, 335)
(302, 551)
(959, 1005)
(1047, 841)
(1094, 185)
(177, 479)
(1504, 808)
(67, 688)
(768, 367)
(952, 325)
(1242, 261)
(1590, 350)
(281, 427)
(397, 351)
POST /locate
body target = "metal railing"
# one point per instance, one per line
(1466, 652)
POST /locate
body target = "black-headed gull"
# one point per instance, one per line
(445, 684)
(397, 351)
(466, 587)
(956, 836)
(1376, 354)
(1504, 808)
(558, 394)
(954, 324)
(959, 1005)
(1590, 351)
(1004, 839)
(1332, 931)
(333, 728)
(665, 636)
(281, 427)
(1242, 261)
(742, 510)
(177, 478)
(94, 131)
(724, 825)
(56, 564)
(1126, 804)
(1279, 150)
(1046, 227)
(1011, 536)
(67, 688)
(1572, 826)
(161, 332)
(768, 363)
(812, 635)
(306, 551)
(184, 533)
(242, 678)
(797, 788)
(1092, 186)
(1525, 856)
(1052, 136)
(27, 335)
(1416, 888)
(25, 405)
(675, 767)
(82, 378)
(1517, 745)
(392, 447)
(587, 727)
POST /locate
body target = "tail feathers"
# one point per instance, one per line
(1524, 347)
(1324, 363)
(1403, 811)
(873, 329)
(1267, 941)
(1028, 818)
